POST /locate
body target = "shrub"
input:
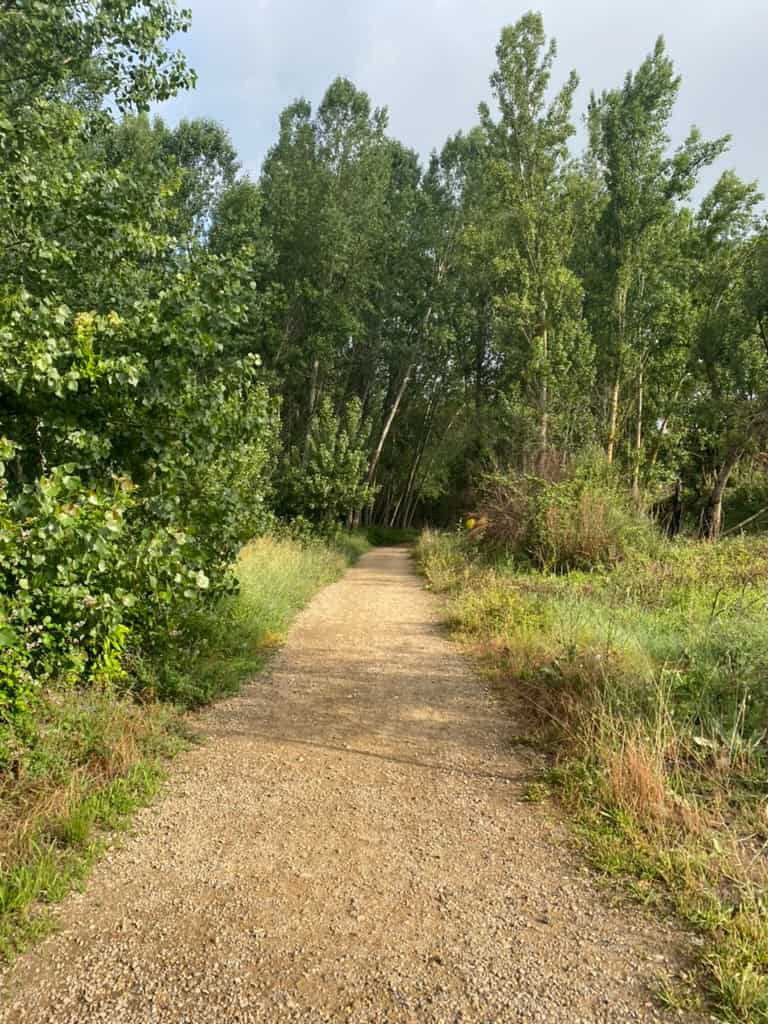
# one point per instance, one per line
(581, 522)
(64, 586)
(504, 507)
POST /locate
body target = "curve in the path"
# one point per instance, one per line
(350, 845)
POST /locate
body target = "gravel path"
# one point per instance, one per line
(351, 845)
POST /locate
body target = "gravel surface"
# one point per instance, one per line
(351, 845)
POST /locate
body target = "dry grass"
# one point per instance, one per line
(85, 763)
(54, 777)
(636, 782)
(575, 520)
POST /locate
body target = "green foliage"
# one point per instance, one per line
(139, 436)
(581, 524)
(330, 480)
(93, 50)
(65, 578)
(580, 521)
(747, 497)
(537, 296)
(489, 317)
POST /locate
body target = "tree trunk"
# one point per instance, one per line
(622, 291)
(712, 515)
(311, 406)
(409, 491)
(405, 495)
(400, 392)
(544, 405)
(676, 515)
(409, 513)
(408, 517)
(638, 443)
(388, 424)
(426, 432)
(613, 419)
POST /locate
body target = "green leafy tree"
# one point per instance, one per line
(538, 297)
(729, 414)
(199, 151)
(139, 438)
(629, 142)
(330, 481)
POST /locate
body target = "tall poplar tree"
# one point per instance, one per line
(629, 142)
(538, 298)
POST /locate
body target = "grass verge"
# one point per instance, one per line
(81, 768)
(649, 684)
(78, 768)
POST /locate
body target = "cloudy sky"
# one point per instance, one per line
(428, 61)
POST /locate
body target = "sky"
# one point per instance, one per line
(428, 62)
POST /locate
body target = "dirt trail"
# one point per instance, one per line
(351, 845)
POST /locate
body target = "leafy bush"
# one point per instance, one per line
(92, 567)
(580, 522)
(78, 581)
(63, 597)
(139, 439)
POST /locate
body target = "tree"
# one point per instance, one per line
(323, 187)
(628, 138)
(538, 299)
(138, 435)
(201, 153)
(729, 357)
(330, 481)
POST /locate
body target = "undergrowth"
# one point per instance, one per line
(385, 536)
(79, 764)
(649, 681)
(81, 767)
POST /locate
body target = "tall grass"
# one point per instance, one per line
(87, 759)
(81, 767)
(649, 681)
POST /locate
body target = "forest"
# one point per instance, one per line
(545, 343)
